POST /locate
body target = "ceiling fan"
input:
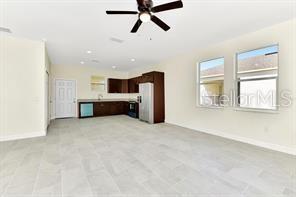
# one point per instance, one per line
(146, 9)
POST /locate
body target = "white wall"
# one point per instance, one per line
(22, 106)
(82, 74)
(276, 131)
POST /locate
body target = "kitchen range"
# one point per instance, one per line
(148, 107)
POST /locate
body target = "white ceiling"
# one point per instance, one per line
(71, 27)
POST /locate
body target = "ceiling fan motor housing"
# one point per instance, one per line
(145, 5)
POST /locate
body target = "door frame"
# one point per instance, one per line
(54, 87)
(47, 99)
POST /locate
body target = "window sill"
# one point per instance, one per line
(267, 111)
(209, 107)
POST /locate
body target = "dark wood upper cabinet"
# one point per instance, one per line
(133, 85)
(117, 85)
(114, 85)
(124, 86)
(147, 77)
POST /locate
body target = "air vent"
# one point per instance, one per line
(6, 30)
(95, 61)
(116, 40)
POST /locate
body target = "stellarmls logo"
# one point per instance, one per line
(260, 100)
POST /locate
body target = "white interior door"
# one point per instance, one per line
(65, 98)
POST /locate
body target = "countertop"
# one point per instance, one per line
(105, 100)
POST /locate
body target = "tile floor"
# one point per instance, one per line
(119, 156)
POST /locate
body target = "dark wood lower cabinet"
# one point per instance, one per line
(100, 109)
(108, 108)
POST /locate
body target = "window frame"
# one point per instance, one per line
(199, 83)
(237, 81)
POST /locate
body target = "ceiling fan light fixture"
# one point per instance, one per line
(145, 17)
(145, 10)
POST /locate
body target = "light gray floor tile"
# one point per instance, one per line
(75, 183)
(48, 184)
(119, 156)
(102, 183)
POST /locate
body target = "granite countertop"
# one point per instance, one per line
(106, 100)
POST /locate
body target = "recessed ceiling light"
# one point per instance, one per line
(114, 67)
(133, 60)
(89, 52)
(82, 62)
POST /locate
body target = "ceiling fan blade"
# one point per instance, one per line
(167, 6)
(160, 23)
(136, 27)
(121, 12)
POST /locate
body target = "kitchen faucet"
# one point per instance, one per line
(100, 96)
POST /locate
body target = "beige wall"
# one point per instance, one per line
(22, 104)
(277, 131)
(82, 74)
(47, 89)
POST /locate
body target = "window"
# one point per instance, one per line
(257, 75)
(97, 83)
(211, 82)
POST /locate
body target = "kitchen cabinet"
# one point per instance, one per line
(103, 108)
(117, 86)
(109, 108)
(124, 86)
(159, 97)
(133, 85)
(116, 108)
(129, 85)
(100, 109)
(147, 77)
(114, 85)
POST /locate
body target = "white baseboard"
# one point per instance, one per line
(262, 144)
(23, 136)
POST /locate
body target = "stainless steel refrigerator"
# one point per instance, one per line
(146, 105)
